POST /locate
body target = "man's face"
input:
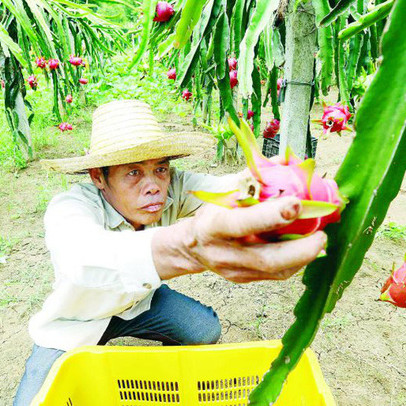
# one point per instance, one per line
(137, 191)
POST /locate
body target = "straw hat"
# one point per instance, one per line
(126, 131)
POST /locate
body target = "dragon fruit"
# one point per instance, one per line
(186, 94)
(83, 81)
(41, 62)
(69, 98)
(250, 114)
(32, 81)
(53, 64)
(232, 63)
(394, 290)
(335, 118)
(65, 127)
(271, 128)
(171, 74)
(76, 61)
(164, 11)
(233, 78)
(289, 176)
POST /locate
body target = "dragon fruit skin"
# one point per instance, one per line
(232, 63)
(186, 94)
(32, 81)
(83, 81)
(289, 176)
(335, 118)
(41, 62)
(171, 74)
(233, 79)
(250, 114)
(53, 64)
(164, 11)
(394, 289)
(271, 128)
(69, 98)
(76, 60)
(65, 127)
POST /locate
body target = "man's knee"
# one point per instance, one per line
(206, 332)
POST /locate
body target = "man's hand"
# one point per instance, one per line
(213, 240)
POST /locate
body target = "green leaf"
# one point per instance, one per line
(375, 15)
(221, 45)
(371, 176)
(315, 208)
(12, 46)
(336, 12)
(261, 16)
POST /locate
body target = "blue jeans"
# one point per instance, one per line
(173, 319)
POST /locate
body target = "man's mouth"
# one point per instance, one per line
(152, 207)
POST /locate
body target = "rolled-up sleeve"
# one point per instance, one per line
(104, 272)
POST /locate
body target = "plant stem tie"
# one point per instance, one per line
(284, 84)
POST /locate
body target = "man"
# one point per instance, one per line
(114, 241)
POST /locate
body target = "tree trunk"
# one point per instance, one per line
(300, 48)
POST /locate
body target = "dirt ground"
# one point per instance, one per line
(361, 346)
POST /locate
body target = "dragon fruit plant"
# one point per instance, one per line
(335, 118)
(271, 128)
(233, 78)
(289, 176)
(394, 289)
(41, 62)
(171, 74)
(186, 94)
(164, 11)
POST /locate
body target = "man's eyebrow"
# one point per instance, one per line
(164, 161)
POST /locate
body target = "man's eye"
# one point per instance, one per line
(134, 172)
(162, 169)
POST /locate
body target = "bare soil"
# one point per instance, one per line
(360, 346)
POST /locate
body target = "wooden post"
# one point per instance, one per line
(300, 48)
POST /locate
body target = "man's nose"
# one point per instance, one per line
(151, 187)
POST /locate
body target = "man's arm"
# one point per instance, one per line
(213, 240)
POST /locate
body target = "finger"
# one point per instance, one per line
(246, 276)
(265, 216)
(276, 259)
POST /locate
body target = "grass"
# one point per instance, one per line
(393, 231)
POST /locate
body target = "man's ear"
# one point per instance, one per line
(97, 177)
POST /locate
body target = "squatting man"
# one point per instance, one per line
(115, 241)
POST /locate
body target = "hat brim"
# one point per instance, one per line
(172, 145)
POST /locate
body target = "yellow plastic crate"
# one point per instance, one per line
(221, 375)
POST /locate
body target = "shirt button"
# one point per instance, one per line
(147, 285)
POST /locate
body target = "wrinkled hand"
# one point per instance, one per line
(216, 241)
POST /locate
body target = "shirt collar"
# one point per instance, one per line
(114, 219)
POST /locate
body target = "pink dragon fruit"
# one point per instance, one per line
(171, 74)
(53, 64)
(65, 127)
(250, 114)
(233, 79)
(335, 118)
(232, 63)
(394, 290)
(32, 81)
(69, 98)
(76, 61)
(41, 62)
(321, 200)
(271, 128)
(186, 94)
(83, 81)
(164, 11)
